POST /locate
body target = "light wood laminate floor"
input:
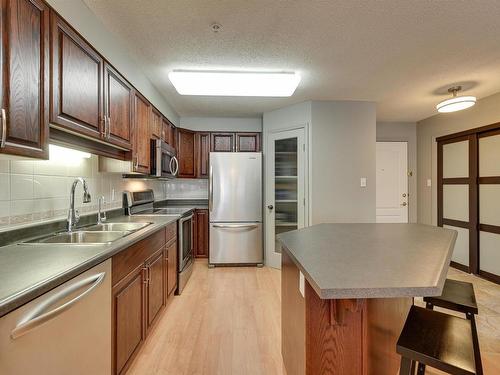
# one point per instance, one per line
(227, 322)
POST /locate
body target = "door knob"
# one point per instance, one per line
(403, 204)
(270, 206)
(404, 195)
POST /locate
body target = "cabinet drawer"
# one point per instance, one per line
(171, 232)
(126, 261)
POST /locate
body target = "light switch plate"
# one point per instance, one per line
(363, 182)
(429, 182)
(301, 284)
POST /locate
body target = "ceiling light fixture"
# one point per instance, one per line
(234, 83)
(457, 103)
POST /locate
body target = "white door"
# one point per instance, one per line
(392, 182)
(285, 188)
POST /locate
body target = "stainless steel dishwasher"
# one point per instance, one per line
(65, 331)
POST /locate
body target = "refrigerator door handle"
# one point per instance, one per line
(211, 189)
(235, 226)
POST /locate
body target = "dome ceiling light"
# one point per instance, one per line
(457, 103)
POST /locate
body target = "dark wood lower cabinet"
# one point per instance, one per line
(201, 234)
(140, 278)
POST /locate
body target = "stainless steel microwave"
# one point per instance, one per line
(164, 162)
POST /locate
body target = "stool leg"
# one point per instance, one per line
(421, 369)
(429, 306)
(407, 366)
(475, 343)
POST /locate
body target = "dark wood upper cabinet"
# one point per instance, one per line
(186, 153)
(24, 71)
(118, 104)
(168, 132)
(77, 81)
(201, 234)
(156, 124)
(202, 154)
(141, 155)
(247, 142)
(222, 142)
(155, 284)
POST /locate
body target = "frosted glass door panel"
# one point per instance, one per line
(456, 202)
(489, 156)
(456, 159)
(489, 204)
(489, 248)
(461, 251)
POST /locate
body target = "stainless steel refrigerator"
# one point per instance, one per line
(235, 204)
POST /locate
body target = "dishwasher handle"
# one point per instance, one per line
(37, 316)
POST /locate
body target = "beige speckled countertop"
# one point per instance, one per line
(29, 270)
(372, 260)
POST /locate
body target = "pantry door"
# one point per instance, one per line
(489, 204)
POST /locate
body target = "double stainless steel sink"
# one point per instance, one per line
(97, 234)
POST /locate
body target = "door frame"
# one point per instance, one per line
(408, 197)
(271, 258)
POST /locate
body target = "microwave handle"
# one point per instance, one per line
(170, 165)
(176, 165)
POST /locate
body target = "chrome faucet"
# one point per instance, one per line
(101, 215)
(73, 215)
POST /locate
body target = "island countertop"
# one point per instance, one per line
(343, 261)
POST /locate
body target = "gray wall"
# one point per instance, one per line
(111, 47)
(404, 132)
(342, 150)
(222, 124)
(485, 112)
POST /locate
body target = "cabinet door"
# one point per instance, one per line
(171, 268)
(201, 234)
(247, 142)
(202, 152)
(156, 125)
(77, 83)
(155, 285)
(118, 103)
(128, 318)
(141, 155)
(186, 153)
(222, 142)
(24, 94)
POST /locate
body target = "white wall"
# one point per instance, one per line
(485, 112)
(110, 46)
(342, 150)
(229, 124)
(404, 132)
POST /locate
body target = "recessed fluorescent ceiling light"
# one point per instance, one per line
(220, 83)
(457, 103)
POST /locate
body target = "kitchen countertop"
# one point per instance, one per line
(29, 270)
(372, 260)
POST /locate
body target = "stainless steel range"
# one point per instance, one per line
(141, 203)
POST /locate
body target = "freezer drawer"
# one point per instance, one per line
(64, 331)
(236, 243)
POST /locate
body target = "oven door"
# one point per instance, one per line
(164, 163)
(185, 241)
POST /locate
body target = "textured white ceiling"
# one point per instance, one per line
(401, 54)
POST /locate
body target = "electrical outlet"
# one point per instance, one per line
(363, 182)
(429, 182)
(302, 285)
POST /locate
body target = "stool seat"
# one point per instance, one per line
(457, 296)
(438, 340)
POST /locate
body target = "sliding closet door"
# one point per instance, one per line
(457, 196)
(489, 204)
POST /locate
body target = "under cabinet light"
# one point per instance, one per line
(234, 83)
(59, 153)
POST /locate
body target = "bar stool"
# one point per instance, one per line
(457, 296)
(437, 340)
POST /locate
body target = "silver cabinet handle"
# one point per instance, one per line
(37, 317)
(235, 226)
(4, 129)
(109, 128)
(211, 189)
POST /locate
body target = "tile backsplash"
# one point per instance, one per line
(33, 191)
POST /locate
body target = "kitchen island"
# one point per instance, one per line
(346, 291)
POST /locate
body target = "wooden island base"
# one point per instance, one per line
(338, 336)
